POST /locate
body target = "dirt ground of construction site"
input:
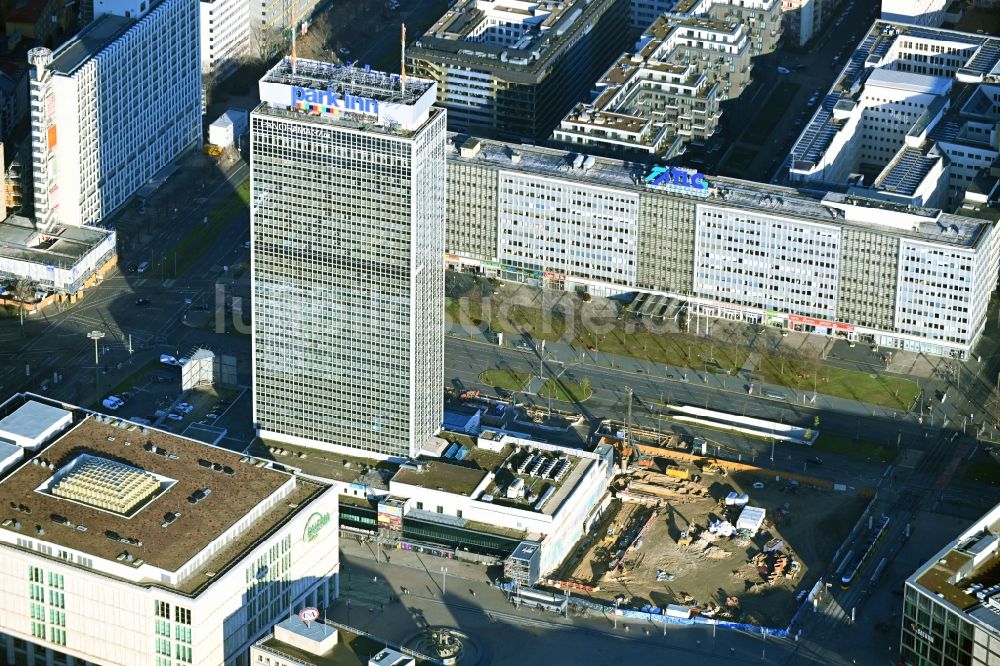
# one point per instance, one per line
(724, 577)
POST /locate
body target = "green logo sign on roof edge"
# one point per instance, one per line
(315, 525)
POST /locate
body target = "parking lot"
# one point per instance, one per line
(154, 397)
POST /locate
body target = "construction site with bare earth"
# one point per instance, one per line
(696, 536)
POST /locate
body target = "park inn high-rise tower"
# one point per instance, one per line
(348, 212)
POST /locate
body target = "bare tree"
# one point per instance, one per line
(24, 289)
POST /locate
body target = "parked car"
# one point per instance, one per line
(213, 415)
(784, 70)
(112, 402)
(167, 359)
(758, 485)
(344, 51)
(143, 267)
(130, 268)
(175, 417)
(184, 408)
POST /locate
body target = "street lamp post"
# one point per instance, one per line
(95, 336)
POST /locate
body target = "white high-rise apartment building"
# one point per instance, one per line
(125, 545)
(112, 106)
(347, 214)
(224, 35)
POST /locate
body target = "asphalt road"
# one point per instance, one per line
(466, 359)
(518, 636)
(54, 341)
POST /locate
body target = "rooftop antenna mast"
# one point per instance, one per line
(402, 59)
(294, 30)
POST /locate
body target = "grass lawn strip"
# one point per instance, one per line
(849, 448)
(129, 382)
(668, 349)
(558, 389)
(505, 379)
(805, 374)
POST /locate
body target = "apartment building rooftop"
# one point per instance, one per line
(135, 495)
(966, 573)
(928, 224)
(666, 93)
(87, 43)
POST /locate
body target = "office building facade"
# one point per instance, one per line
(800, 20)
(951, 605)
(513, 68)
(139, 551)
(348, 202)
(835, 264)
(111, 107)
(224, 35)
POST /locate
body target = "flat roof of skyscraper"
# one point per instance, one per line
(359, 81)
(88, 42)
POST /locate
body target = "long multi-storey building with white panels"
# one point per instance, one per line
(761, 19)
(649, 104)
(837, 264)
(513, 68)
(348, 212)
(112, 106)
(912, 118)
(224, 35)
(122, 544)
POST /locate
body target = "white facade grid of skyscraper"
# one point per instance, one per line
(224, 35)
(348, 239)
(767, 262)
(564, 227)
(110, 108)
